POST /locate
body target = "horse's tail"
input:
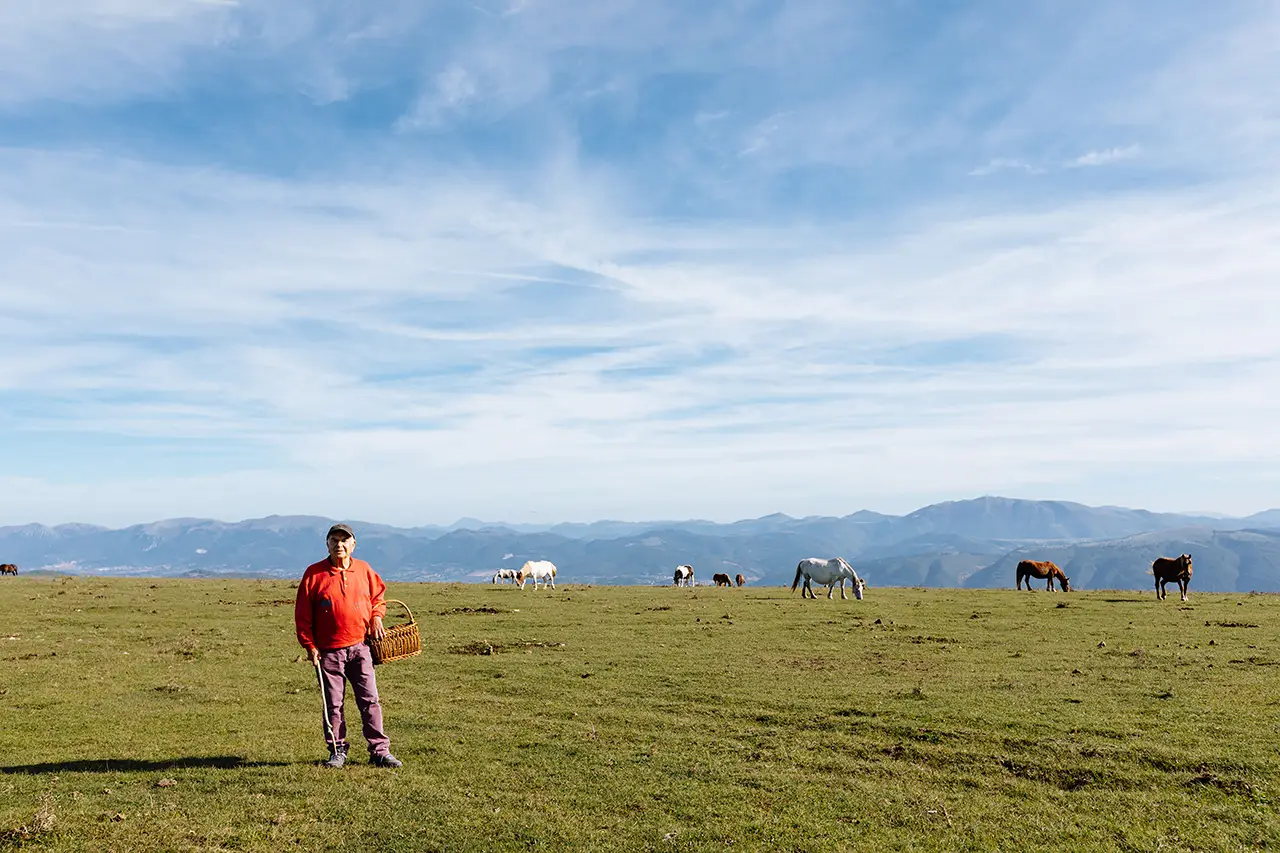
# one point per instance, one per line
(799, 571)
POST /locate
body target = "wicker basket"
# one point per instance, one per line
(401, 641)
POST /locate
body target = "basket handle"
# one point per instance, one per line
(412, 621)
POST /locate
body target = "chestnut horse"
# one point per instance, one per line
(1172, 569)
(1029, 569)
(8, 569)
(739, 580)
(721, 579)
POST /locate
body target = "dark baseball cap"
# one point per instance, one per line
(340, 528)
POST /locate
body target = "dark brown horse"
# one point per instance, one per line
(1041, 570)
(739, 580)
(1172, 569)
(721, 579)
(8, 569)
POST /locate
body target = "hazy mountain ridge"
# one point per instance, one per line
(957, 543)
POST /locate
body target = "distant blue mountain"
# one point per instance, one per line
(958, 543)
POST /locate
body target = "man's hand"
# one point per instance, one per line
(378, 631)
(314, 655)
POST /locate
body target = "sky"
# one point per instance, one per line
(540, 260)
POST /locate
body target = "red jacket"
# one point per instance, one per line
(335, 606)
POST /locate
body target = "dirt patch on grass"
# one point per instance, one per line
(811, 664)
(1064, 778)
(1256, 661)
(187, 647)
(1231, 625)
(483, 647)
(41, 824)
(854, 712)
(452, 610)
(1231, 786)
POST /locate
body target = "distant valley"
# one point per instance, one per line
(971, 543)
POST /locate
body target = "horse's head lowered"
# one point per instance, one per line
(858, 584)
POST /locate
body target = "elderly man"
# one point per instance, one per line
(340, 602)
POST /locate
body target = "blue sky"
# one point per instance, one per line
(541, 261)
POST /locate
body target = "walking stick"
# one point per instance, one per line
(324, 701)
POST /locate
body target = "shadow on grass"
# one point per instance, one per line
(129, 765)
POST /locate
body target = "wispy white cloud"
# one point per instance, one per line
(652, 262)
(454, 89)
(1106, 155)
(1099, 157)
(312, 336)
(1004, 164)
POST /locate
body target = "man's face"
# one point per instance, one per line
(340, 546)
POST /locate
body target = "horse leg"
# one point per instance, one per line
(1182, 587)
(843, 597)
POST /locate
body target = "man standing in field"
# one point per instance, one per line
(340, 602)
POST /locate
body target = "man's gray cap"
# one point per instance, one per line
(340, 528)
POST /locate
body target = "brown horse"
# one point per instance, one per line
(1040, 570)
(1172, 569)
(8, 569)
(740, 580)
(721, 579)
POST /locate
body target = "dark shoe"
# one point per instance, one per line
(386, 760)
(336, 760)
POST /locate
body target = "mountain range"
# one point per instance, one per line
(969, 543)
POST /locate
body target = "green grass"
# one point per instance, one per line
(630, 718)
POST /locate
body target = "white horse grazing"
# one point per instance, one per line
(505, 575)
(538, 570)
(683, 576)
(828, 572)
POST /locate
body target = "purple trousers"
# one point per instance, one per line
(353, 664)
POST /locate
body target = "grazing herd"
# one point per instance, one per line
(836, 571)
(1164, 569)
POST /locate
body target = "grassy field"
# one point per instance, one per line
(141, 715)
